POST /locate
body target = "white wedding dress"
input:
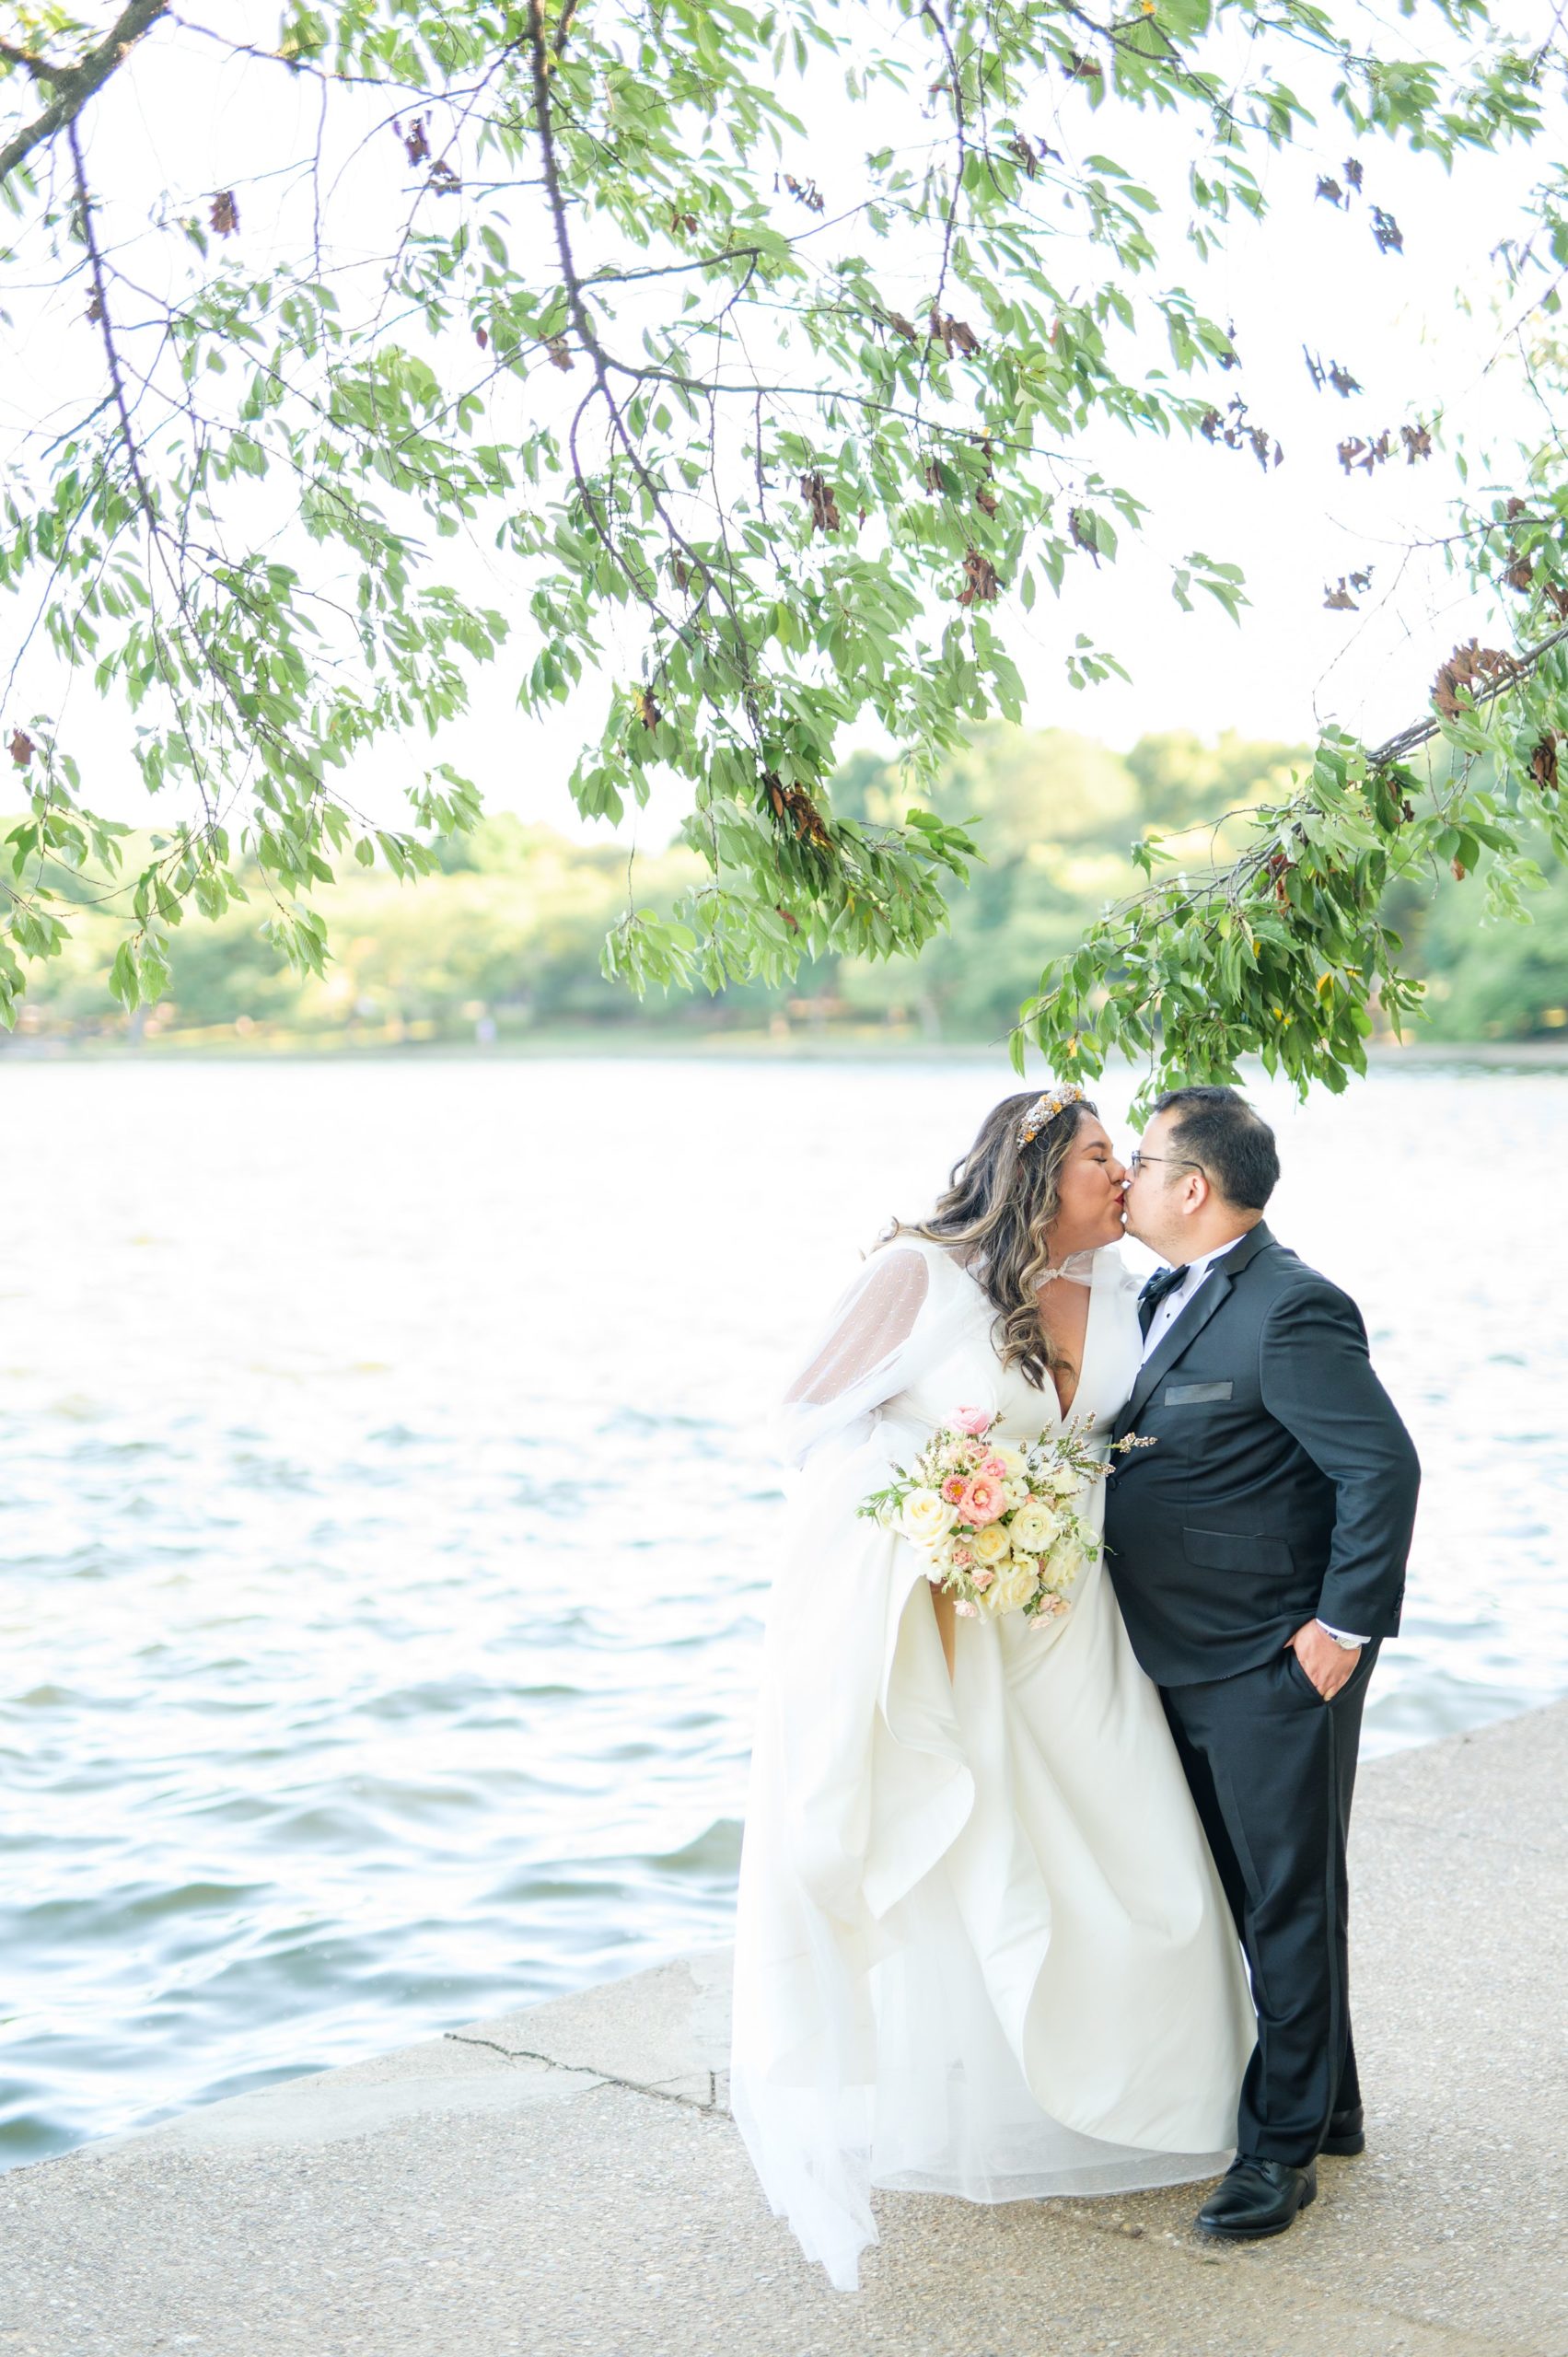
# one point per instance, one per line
(981, 1948)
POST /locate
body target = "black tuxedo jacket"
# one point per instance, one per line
(1282, 1483)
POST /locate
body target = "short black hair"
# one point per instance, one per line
(1232, 1144)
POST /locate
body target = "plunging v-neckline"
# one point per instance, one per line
(1091, 1286)
(1064, 1409)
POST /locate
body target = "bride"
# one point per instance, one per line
(981, 1948)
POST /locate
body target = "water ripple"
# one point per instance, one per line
(376, 1647)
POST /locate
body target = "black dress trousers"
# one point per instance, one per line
(1272, 1770)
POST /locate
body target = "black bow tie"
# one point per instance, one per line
(1162, 1282)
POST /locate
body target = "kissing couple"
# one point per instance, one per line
(1056, 1905)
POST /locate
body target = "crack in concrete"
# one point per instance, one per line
(601, 2078)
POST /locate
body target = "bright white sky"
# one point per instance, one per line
(1310, 275)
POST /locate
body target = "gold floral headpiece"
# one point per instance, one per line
(1045, 1108)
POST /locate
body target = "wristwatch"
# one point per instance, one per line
(1346, 1644)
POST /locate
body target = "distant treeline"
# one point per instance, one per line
(504, 944)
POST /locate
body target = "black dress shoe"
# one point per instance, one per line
(1257, 2197)
(1346, 2131)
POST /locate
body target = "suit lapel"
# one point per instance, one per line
(1195, 1316)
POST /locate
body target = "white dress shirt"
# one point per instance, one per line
(1167, 1312)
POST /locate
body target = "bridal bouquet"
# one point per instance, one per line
(997, 1525)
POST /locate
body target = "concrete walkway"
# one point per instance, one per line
(567, 2179)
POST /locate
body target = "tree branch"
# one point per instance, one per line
(1421, 732)
(75, 85)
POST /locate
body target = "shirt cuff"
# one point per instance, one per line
(1342, 1636)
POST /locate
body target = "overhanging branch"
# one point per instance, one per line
(75, 85)
(1421, 732)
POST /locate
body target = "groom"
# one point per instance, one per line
(1258, 1552)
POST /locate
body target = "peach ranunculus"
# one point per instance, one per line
(983, 1500)
(970, 1420)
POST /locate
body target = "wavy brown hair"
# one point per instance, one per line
(994, 1215)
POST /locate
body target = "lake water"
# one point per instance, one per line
(385, 1514)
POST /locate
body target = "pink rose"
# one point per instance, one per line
(971, 1419)
(983, 1500)
(982, 1578)
(995, 1468)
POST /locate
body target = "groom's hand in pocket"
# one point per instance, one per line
(1327, 1664)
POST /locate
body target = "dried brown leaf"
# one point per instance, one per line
(416, 139)
(805, 192)
(792, 802)
(1467, 668)
(818, 497)
(954, 335)
(981, 584)
(223, 214)
(21, 748)
(1543, 761)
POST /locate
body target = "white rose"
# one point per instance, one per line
(1012, 1462)
(1064, 1482)
(1034, 1526)
(991, 1544)
(1015, 1586)
(926, 1518)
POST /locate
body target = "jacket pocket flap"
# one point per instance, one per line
(1236, 1550)
(1188, 1394)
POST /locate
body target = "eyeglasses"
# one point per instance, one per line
(1135, 1162)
